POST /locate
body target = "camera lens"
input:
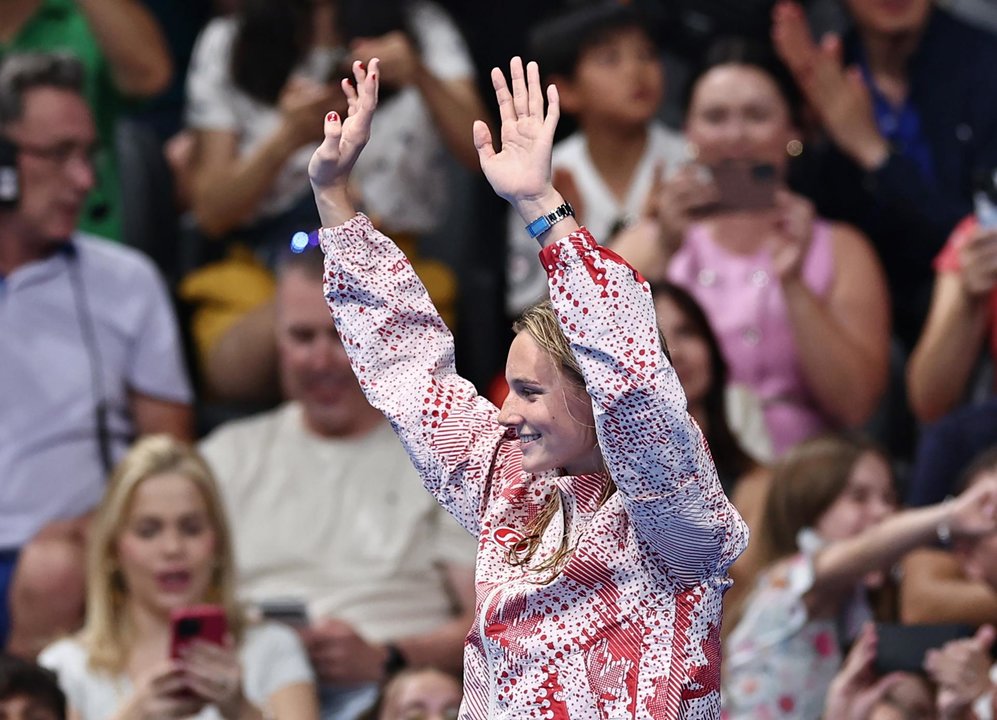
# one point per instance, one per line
(188, 627)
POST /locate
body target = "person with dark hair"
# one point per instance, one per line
(799, 303)
(609, 72)
(123, 55)
(29, 692)
(91, 354)
(829, 531)
(604, 535)
(257, 83)
(909, 107)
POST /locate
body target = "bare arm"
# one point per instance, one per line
(294, 702)
(135, 48)
(935, 590)
(843, 343)
(153, 415)
(842, 564)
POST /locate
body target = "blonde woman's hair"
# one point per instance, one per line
(540, 322)
(106, 633)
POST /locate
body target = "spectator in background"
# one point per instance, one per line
(909, 104)
(949, 585)
(799, 303)
(610, 76)
(29, 692)
(829, 532)
(124, 55)
(260, 82)
(960, 322)
(90, 355)
(160, 544)
(328, 510)
(419, 694)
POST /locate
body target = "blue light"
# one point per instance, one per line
(299, 241)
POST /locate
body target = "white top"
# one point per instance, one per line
(402, 171)
(344, 525)
(527, 281)
(50, 464)
(271, 655)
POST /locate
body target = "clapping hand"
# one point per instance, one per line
(520, 172)
(330, 165)
(838, 94)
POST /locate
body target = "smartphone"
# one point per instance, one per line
(985, 199)
(199, 622)
(901, 648)
(289, 611)
(743, 185)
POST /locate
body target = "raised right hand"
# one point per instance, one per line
(331, 163)
(160, 695)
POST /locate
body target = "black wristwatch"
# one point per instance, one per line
(395, 660)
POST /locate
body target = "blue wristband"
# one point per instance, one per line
(545, 222)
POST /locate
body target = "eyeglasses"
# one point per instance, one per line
(61, 153)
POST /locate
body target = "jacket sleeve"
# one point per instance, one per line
(403, 356)
(683, 523)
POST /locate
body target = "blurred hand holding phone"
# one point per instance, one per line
(741, 185)
(206, 623)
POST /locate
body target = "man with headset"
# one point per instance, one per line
(90, 355)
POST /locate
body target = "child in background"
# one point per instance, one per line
(610, 76)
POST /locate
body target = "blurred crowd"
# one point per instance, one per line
(809, 187)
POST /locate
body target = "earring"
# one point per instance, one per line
(794, 148)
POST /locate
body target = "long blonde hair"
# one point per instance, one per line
(540, 321)
(106, 633)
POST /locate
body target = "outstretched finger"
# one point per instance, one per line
(553, 110)
(534, 91)
(333, 131)
(483, 141)
(520, 100)
(367, 83)
(507, 113)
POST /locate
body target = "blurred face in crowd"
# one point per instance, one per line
(315, 369)
(689, 351)
(737, 113)
(619, 80)
(21, 707)
(425, 695)
(56, 140)
(166, 548)
(890, 17)
(551, 413)
(868, 497)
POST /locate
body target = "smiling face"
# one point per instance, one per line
(868, 498)
(166, 547)
(551, 414)
(738, 113)
(314, 367)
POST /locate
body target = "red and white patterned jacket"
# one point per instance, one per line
(630, 628)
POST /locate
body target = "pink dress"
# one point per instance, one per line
(631, 626)
(743, 299)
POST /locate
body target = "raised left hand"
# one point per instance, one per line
(520, 172)
(214, 674)
(340, 656)
(794, 230)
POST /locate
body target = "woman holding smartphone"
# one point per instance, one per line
(799, 304)
(160, 544)
(604, 534)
